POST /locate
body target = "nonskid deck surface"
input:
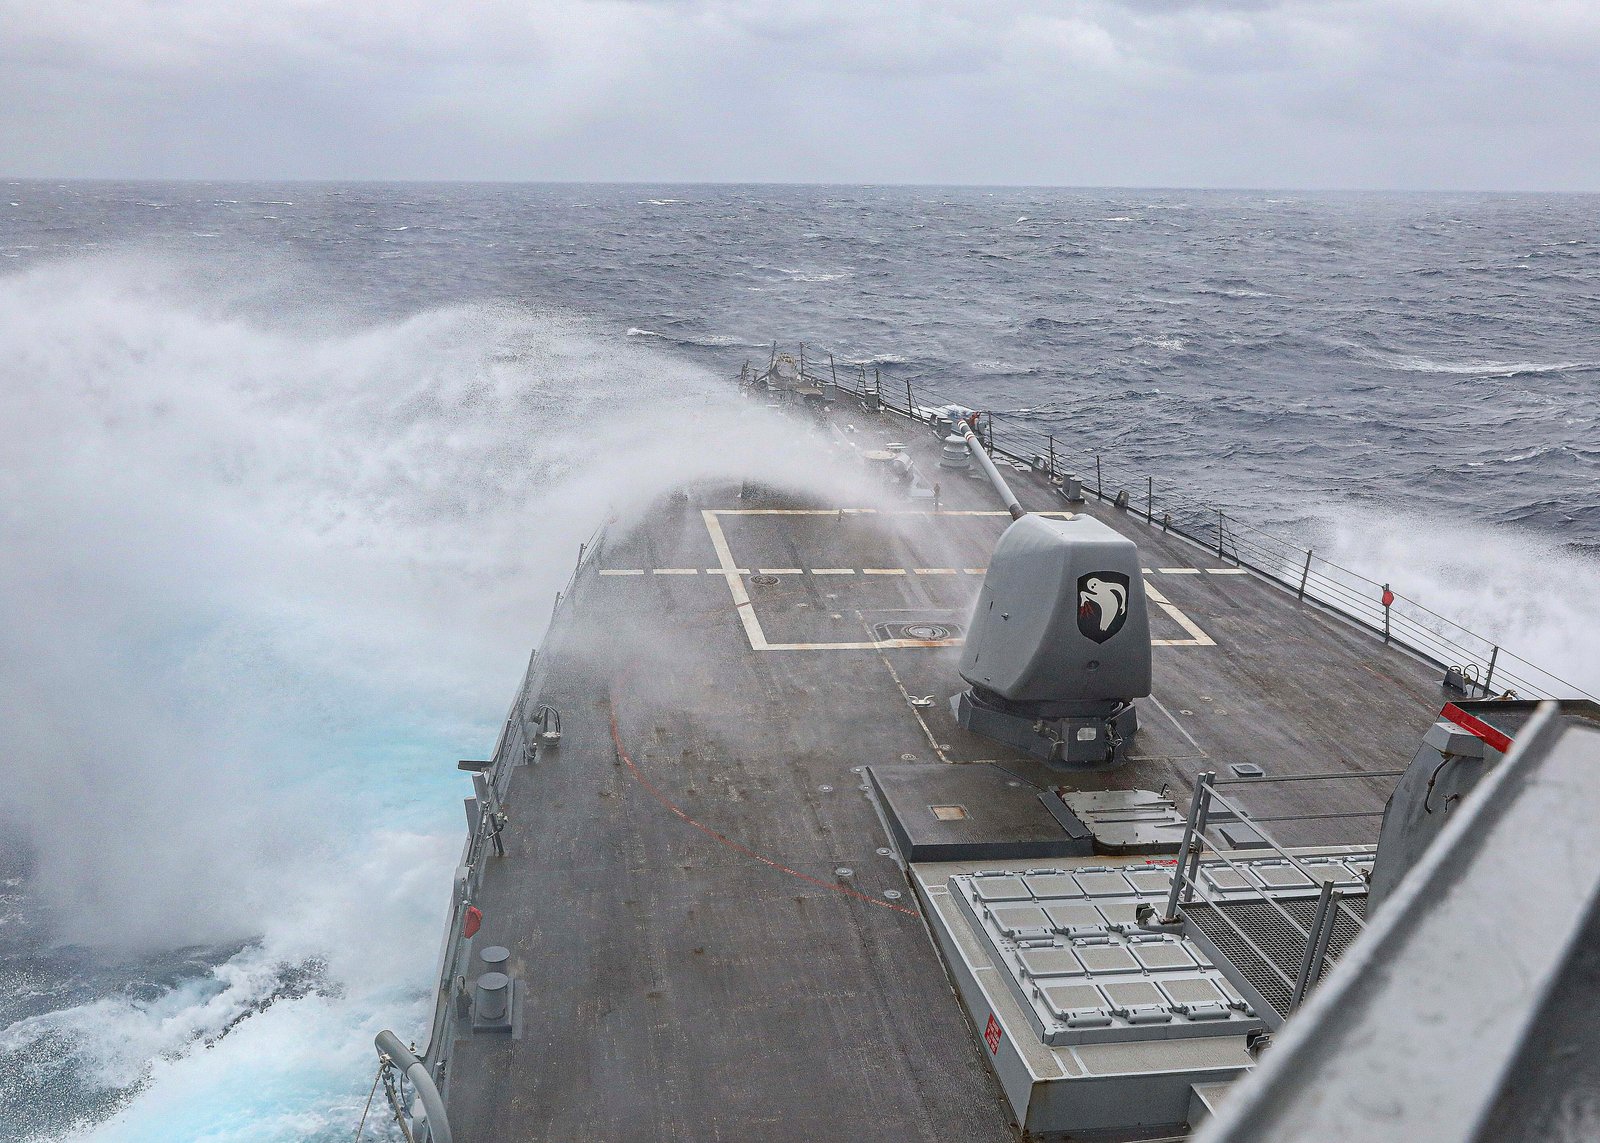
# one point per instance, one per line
(712, 937)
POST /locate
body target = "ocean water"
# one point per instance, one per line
(291, 474)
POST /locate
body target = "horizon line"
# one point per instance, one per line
(851, 184)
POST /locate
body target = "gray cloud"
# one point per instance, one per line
(1410, 93)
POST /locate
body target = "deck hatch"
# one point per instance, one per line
(1000, 889)
(1074, 916)
(1104, 885)
(1052, 885)
(1050, 962)
(921, 631)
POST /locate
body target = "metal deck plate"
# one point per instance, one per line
(1003, 818)
(1085, 973)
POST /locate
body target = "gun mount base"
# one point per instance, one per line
(1092, 740)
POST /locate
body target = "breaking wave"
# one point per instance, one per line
(1415, 363)
(266, 573)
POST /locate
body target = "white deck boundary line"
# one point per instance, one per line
(745, 608)
(1197, 637)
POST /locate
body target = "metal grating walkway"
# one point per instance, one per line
(1274, 936)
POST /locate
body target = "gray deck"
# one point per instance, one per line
(694, 966)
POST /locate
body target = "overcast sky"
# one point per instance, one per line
(1469, 94)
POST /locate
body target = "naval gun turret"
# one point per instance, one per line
(1059, 643)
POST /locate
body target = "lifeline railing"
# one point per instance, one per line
(1187, 882)
(528, 723)
(1474, 665)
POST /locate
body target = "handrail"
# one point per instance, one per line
(514, 745)
(391, 1050)
(1484, 665)
(1241, 815)
(1186, 882)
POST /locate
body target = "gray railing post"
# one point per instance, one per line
(390, 1048)
(1099, 485)
(1488, 676)
(1202, 793)
(1316, 946)
(1199, 845)
(1305, 573)
(1219, 534)
(1149, 500)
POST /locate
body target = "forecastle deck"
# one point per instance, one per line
(712, 933)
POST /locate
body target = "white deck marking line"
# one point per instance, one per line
(621, 571)
(1227, 571)
(742, 605)
(735, 579)
(675, 571)
(868, 512)
(1148, 571)
(859, 646)
(883, 571)
(934, 571)
(905, 694)
(779, 571)
(1197, 637)
(1181, 728)
(1180, 571)
(974, 571)
(833, 571)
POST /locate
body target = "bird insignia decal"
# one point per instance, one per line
(1102, 604)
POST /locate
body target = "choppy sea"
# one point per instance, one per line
(291, 472)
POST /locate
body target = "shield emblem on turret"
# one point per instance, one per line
(1102, 604)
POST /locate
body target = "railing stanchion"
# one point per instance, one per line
(1191, 842)
(1316, 946)
(1305, 573)
(1199, 836)
(1488, 676)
